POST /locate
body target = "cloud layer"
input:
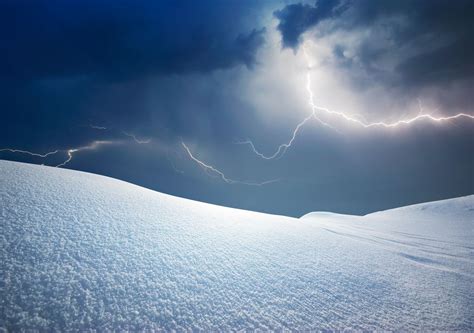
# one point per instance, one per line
(405, 45)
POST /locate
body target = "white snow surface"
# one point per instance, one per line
(85, 252)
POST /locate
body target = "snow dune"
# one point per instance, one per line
(80, 251)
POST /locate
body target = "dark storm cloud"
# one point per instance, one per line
(122, 39)
(295, 19)
(442, 65)
(435, 36)
(66, 64)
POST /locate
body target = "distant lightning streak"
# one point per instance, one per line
(206, 166)
(220, 174)
(173, 165)
(98, 127)
(92, 146)
(69, 152)
(315, 110)
(135, 138)
(29, 152)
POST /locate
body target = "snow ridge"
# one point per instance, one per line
(82, 252)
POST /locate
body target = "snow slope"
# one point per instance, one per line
(80, 251)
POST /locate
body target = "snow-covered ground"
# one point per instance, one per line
(80, 251)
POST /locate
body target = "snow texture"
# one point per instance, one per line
(80, 251)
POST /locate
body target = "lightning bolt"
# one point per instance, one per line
(315, 110)
(281, 148)
(173, 165)
(98, 127)
(29, 152)
(69, 152)
(94, 145)
(135, 138)
(220, 174)
(408, 121)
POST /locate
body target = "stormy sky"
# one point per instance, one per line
(131, 81)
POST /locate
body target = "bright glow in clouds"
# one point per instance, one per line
(207, 167)
(318, 110)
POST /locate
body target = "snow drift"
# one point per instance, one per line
(80, 251)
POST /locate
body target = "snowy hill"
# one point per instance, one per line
(80, 251)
